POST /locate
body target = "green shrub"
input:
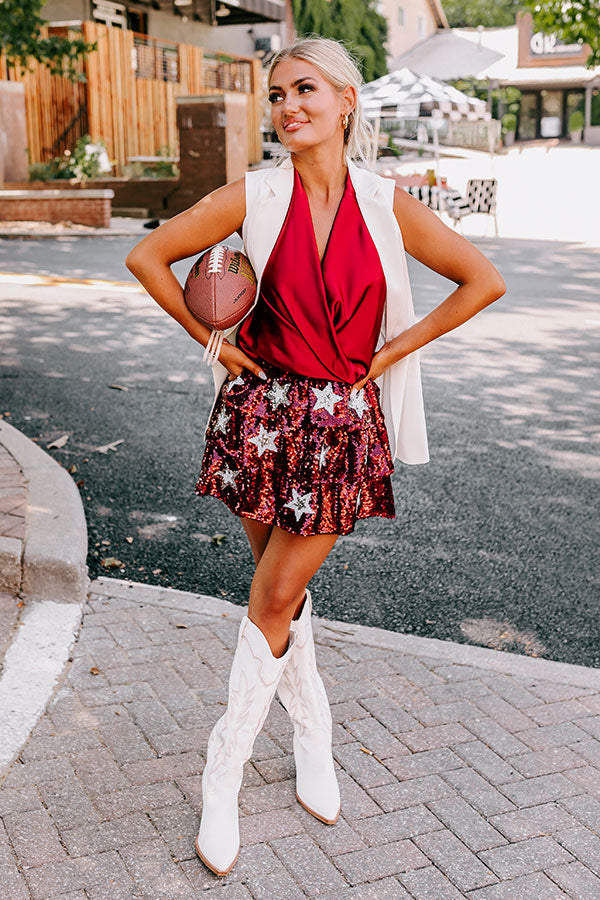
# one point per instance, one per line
(576, 120)
(509, 122)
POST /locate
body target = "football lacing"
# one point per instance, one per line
(216, 260)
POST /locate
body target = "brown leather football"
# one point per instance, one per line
(220, 287)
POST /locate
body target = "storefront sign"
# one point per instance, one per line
(539, 49)
(546, 44)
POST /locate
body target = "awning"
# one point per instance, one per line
(239, 12)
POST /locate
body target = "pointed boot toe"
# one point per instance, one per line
(317, 788)
(218, 840)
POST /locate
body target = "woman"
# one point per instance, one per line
(317, 391)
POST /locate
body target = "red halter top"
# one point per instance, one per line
(312, 318)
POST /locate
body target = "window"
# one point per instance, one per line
(421, 26)
(137, 21)
(401, 16)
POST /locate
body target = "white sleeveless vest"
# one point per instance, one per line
(268, 196)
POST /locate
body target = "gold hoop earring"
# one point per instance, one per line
(345, 122)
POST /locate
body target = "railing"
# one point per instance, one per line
(463, 133)
(223, 73)
(156, 59)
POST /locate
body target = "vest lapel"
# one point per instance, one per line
(265, 220)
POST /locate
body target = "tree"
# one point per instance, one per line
(354, 22)
(572, 21)
(489, 13)
(21, 39)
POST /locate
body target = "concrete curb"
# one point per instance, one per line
(327, 630)
(54, 586)
(55, 547)
(10, 564)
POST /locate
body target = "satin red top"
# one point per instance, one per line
(313, 318)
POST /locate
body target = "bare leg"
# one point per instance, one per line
(258, 536)
(285, 567)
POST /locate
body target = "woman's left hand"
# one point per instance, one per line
(380, 362)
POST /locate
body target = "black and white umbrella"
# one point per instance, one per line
(406, 94)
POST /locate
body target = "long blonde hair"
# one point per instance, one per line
(340, 68)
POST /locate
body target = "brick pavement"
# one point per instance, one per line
(456, 780)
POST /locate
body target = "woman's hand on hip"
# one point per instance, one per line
(235, 361)
(380, 362)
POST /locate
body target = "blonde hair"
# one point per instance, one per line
(340, 68)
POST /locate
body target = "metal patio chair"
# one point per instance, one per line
(480, 198)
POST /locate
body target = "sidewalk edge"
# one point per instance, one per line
(450, 652)
(55, 546)
(53, 588)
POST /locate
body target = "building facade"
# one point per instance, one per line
(552, 76)
(410, 22)
(244, 27)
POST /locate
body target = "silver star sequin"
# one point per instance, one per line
(322, 454)
(277, 395)
(300, 503)
(264, 440)
(229, 475)
(238, 380)
(326, 398)
(358, 403)
(221, 421)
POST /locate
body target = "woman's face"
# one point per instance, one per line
(306, 109)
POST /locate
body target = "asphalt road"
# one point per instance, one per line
(495, 539)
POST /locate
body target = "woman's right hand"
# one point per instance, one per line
(235, 361)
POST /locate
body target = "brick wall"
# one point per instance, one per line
(84, 207)
(213, 146)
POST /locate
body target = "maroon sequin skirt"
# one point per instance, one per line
(298, 452)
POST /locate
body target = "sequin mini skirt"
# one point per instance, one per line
(298, 452)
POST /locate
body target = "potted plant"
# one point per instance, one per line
(509, 126)
(576, 123)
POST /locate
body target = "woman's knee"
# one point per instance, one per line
(276, 598)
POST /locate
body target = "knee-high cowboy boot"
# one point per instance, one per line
(253, 679)
(302, 692)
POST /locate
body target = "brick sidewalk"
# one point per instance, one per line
(456, 781)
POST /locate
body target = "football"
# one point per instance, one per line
(220, 287)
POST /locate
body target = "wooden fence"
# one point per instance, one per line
(128, 99)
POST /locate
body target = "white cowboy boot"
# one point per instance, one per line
(253, 679)
(302, 692)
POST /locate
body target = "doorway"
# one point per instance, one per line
(551, 118)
